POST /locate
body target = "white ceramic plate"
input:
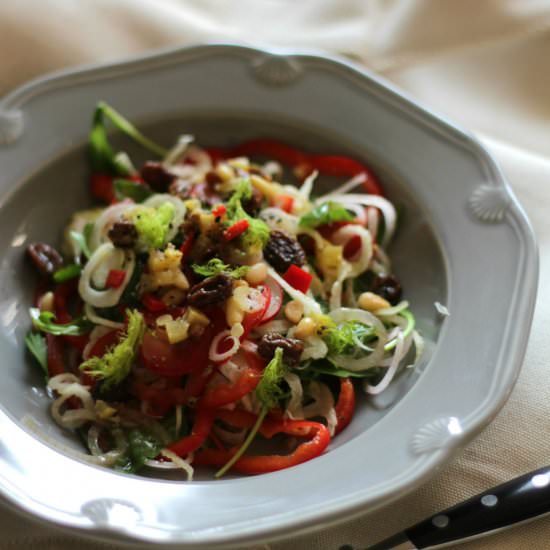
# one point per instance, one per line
(464, 242)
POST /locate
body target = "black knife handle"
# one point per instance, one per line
(520, 499)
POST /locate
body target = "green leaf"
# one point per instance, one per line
(130, 130)
(116, 364)
(269, 391)
(87, 232)
(152, 224)
(44, 321)
(141, 447)
(343, 339)
(216, 266)
(131, 295)
(257, 233)
(36, 344)
(103, 158)
(328, 212)
(68, 272)
(131, 189)
(324, 366)
(81, 241)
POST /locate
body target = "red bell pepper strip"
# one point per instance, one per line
(298, 278)
(219, 210)
(233, 231)
(115, 278)
(102, 187)
(345, 406)
(204, 419)
(55, 355)
(61, 295)
(225, 394)
(304, 163)
(318, 435)
(153, 304)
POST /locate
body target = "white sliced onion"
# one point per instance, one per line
(336, 288)
(343, 235)
(307, 186)
(373, 217)
(177, 150)
(384, 205)
(180, 462)
(343, 315)
(392, 310)
(92, 316)
(279, 325)
(344, 188)
(231, 438)
(106, 220)
(279, 220)
(323, 405)
(311, 307)
(110, 296)
(392, 369)
(68, 386)
(294, 409)
(217, 357)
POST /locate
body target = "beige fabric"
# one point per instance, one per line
(484, 63)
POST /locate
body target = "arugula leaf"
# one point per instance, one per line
(141, 447)
(103, 158)
(81, 241)
(115, 365)
(152, 224)
(131, 189)
(131, 297)
(268, 392)
(36, 344)
(328, 212)
(343, 339)
(323, 366)
(215, 266)
(68, 272)
(44, 321)
(257, 233)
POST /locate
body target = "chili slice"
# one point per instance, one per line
(345, 406)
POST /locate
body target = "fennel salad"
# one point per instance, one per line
(204, 305)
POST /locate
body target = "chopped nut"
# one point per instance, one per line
(225, 171)
(168, 259)
(372, 302)
(294, 311)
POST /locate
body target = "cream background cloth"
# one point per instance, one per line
(484, 63)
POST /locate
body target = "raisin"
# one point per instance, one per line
(388, 287)
(157, 176)
(282, 251)
(211, 291)
(45, 258)
(212, 178)
(292, 348)
(123, 234)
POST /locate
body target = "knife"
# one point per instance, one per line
(522, 499)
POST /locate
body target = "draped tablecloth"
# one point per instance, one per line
(483, 63)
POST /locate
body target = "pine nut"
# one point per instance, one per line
(306, 327)
(294, 311)
(372, 302)
(257, 273)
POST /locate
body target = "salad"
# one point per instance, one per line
(207, 309)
